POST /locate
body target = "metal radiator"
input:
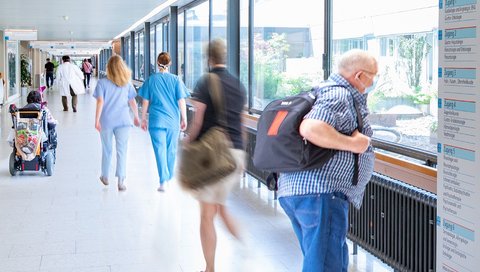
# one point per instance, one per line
(254, 172)
(396, 223)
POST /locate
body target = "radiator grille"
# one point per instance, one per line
(396, 223)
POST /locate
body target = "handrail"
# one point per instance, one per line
(429, 158)
(416, 174)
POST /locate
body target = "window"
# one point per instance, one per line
(181, 50)
(158, 43)
(165, 37)
(288, 48)
(244, 54)
(196, 32)
(127, 51)
(140, 67)
(12, 67)
(152, 50)
(219, 19)
(135, 71)
(403, 104)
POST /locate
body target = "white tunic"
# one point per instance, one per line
(69, 75)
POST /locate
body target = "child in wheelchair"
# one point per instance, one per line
(35, 139)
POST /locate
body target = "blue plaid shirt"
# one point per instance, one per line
(334, 105)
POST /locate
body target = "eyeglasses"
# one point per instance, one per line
(375, 76)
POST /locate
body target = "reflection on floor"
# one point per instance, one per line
(71, 222)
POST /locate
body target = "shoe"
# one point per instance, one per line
(104, 180)
(121, 185)
(65, 109)
(161, 188)
(74, 109)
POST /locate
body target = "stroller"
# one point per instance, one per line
(34, 145)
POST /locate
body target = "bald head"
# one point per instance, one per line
(356, 60)
(358, 67)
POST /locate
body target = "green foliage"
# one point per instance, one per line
(55, 63)
(25, 75)
(298, 84)
(412, 50)
(421, 98)
(269, 59)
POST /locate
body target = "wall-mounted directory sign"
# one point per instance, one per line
(458, 184)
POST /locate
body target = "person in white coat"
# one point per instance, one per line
(70, 82)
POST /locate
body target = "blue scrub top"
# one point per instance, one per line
(163, 90)
(115, 112)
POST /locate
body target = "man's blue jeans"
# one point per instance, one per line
(321, 224)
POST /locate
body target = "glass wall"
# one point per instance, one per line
(181, 49)
(403, 36)
(135, 72)
(219, 19)
(140, 64)
(127, 51)
(158, 42)
(153, 56)
(288, 48)
(196, 32)
(13, 64)
(165, 37)
(244, 40)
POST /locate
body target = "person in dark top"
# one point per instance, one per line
(212, 197)
(49, 67)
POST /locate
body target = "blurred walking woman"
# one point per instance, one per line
(164, 97)
(114, 95)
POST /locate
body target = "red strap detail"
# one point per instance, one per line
(277, 121)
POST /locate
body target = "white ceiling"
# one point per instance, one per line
(88, 20)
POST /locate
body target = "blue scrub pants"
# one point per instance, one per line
(165, 142)
(121, 140)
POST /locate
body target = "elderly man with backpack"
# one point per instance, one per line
(317, 200)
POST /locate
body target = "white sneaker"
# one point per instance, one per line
(121, 185)
(104, 180)
(161, 188)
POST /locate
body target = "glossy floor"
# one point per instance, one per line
(71, 222)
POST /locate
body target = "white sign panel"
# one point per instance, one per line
(458, 202)
(20, 35)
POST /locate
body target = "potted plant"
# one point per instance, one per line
(25, 75)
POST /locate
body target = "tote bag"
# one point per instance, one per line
(208, 159)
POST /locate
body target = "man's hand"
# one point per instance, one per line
(361, 142)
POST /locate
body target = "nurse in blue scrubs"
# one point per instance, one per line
(164, 97)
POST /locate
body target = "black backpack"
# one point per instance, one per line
(280, 147)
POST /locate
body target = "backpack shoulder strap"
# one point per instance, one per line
(216, 94)
(330, 84)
